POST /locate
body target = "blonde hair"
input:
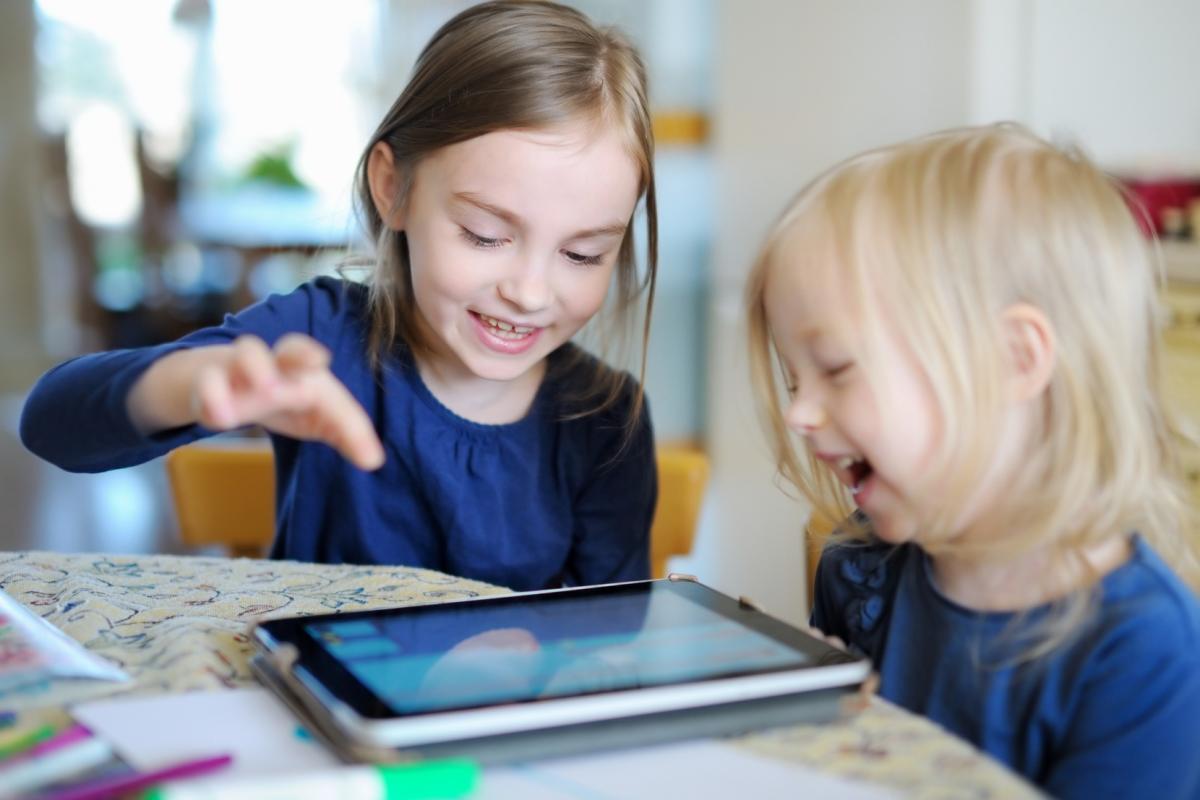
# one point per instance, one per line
(940, 235)
(511, 65)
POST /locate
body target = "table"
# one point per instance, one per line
(178, 623)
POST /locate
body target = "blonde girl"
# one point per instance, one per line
(957, 338)
(439, 415)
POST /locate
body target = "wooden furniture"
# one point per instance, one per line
(1181, 352)
(224, 493)
(816, 532)
(178, 623)
(682, 478)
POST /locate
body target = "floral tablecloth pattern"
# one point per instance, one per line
(178, 623)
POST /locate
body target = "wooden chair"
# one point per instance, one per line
(816, 533)
(682, 478)
(224, 493)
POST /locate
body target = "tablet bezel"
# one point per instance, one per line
(362, 714)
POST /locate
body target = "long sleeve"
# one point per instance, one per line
(76, 415)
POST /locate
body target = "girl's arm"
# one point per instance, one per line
(116, 409)
(288, 389)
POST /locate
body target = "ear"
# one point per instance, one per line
(385, 181)
(1032, 350)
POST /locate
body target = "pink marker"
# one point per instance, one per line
(117, 785)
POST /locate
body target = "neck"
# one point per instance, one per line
(1028, 579)
(477, 399)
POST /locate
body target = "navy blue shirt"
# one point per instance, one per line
(542, 502)
(1112, 712)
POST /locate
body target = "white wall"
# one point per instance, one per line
(799, 85)
(1119, 78)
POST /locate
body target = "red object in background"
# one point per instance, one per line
(1156, 195)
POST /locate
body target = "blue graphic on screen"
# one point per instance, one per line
(471, 655)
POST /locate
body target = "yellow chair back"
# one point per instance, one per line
(682, 478)
(816, 534)
(224, 493)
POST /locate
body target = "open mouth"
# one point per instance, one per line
(854, 472)
(504, 330)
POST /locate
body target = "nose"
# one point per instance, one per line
(527, 288)
(805, 415)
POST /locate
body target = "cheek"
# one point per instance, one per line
(582, 291)
(438, 279)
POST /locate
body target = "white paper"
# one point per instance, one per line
(261, 735)
(701, 769)
(34, 651)
(251, 725)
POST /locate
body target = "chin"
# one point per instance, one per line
(501, 370)
(893, 531)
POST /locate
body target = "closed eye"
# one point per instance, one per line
(480, 241)
(837, 371)
(581, 259)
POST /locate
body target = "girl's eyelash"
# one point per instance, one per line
(480, 241)
(582, 260)
(489, 242)
(840, 369)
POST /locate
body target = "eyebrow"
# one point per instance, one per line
(470, 198)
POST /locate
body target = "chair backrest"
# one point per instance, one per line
(816, 534)
(682, 478)
(224, 492)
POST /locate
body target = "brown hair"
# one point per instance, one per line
(505, 65)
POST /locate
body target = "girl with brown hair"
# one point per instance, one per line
(438, 415)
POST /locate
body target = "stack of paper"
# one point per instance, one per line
(32, 651)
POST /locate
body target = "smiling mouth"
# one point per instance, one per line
(504, 330)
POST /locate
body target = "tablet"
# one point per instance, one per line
(551, 661)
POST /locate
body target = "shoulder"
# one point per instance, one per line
(324, 308)
(1135, 672)
(593, 394)
(1147, 623)
(324, 298)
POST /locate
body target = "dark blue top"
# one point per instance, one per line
(1112, 712)
(541, 502)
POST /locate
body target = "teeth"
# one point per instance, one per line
(845, 462)
(507, 327)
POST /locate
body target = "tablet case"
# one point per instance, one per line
(275, 670)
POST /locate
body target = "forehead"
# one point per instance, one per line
(575, 170)
(805, 291)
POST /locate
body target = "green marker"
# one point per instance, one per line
(422, 780)
(20, 741)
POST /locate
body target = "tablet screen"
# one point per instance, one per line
(464, 655)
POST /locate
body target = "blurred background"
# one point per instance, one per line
(163, 162)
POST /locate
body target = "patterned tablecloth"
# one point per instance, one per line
(178, 623)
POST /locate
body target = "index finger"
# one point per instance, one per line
(341, 422)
